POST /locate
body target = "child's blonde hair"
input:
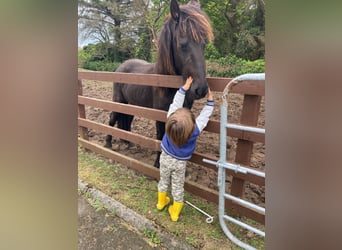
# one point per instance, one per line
(180, 125)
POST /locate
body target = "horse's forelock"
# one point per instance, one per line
(195, 22)
(164, 63)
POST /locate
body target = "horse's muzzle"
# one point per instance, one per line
(201, 92)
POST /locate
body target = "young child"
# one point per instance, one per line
(178, 145)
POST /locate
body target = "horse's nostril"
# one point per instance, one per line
(200, 92)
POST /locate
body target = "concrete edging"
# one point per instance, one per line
(133, 218)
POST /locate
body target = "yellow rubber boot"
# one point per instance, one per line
(175, 209)
(163, 200)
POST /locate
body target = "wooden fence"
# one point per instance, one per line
(252, 91)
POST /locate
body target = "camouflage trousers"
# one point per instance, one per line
(172, 171)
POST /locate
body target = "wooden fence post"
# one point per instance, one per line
(82, 131)
(249, 117)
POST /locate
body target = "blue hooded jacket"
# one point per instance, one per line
(185, 151)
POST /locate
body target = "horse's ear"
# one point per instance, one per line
(174, 8)
(195, 3)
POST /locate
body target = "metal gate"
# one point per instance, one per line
(222, 165)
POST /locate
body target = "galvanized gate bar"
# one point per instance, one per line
(245, 203)
(244, 225)
(246, 128)
(236, 168)
(251, 77)
(223, 165)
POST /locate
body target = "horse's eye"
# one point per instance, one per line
(184, 46)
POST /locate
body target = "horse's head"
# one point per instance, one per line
(182, 43)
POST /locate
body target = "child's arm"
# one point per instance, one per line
(178, 100)
(203, 118)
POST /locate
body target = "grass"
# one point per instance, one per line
(152, 235)
(139, 193)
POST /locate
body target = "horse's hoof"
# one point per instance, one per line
(108, 145)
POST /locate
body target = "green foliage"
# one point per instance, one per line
(101, 65)
(143, 48)
(100, 56)
(152, 235)
(239, 27)
(233, 66)
(95, 56)
(250, 44)
(257, 66)
(216, 11)
(125, 50)
(83, 57)
(211, 53)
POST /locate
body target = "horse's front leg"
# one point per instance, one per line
(112, 119)
(160, 133)
(125, 123)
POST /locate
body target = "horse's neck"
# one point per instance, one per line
(165, 69)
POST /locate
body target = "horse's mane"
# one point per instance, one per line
(193, 22)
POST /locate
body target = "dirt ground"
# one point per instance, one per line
(208, 143)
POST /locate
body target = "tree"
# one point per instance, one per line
(129, 28)
(158, 9)
(112, 21)
(250, 42)
(239, 26)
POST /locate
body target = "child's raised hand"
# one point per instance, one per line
(209, 95)
(187, 83)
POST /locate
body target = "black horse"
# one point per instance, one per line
(181, 47)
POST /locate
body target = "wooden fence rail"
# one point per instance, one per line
(252, 92)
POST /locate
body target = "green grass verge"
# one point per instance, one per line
(139, 193)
